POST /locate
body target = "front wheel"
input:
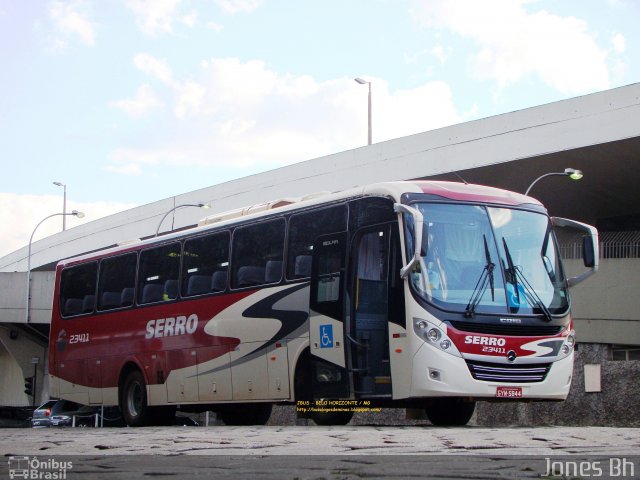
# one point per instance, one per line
(450, 412)
(331, 418)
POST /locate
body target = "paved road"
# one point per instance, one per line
(328, 452)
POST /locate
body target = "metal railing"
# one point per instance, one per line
(612, 245)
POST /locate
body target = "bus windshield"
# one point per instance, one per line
(478, 259)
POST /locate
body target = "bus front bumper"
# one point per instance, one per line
(439, 374)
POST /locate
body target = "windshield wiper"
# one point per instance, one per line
(513, 274)
(486, 278)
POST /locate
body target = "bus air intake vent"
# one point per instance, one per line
(505, 373)
(508, 330)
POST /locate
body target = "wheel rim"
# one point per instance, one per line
(134, 399)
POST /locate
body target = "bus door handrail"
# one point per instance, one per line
(418, 223)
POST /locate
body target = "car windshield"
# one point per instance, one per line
(478, 259)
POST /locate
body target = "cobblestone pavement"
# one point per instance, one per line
(315, 440)
(313, 452)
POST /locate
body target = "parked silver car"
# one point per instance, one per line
(60, 413)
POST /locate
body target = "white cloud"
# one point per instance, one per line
(216, 27)
(243, 114)
(238, 6)
(190, 19)
(440, 53)
(190, 98)
(154, 17)
(514, 43)
(71, 18)
(144, 101)
(618, 42)
(24, 212)
(153, 67)
(129, 169)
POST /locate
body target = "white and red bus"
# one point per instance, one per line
(409, 294)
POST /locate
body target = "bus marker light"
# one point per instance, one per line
(273, 359)
(398, 350)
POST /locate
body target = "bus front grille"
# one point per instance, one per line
(499, 372)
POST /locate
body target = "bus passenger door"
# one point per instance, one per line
(329, 377)
(369, 329)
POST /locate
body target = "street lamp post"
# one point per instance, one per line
(363, 82)
(572, 173)
(75, 213)
(199, 205)
(64, 204)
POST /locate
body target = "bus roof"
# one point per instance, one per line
(445, 190)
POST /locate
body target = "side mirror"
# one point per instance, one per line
(590, 247)
(418, 222)
(588, 252)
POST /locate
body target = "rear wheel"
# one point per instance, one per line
(133, 404)
(452, 412)
(133, 400)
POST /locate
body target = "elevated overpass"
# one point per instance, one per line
(597, 133)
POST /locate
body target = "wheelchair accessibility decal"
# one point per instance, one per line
(326, 336)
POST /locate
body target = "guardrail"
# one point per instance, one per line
(612, 245)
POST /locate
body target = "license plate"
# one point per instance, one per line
(509, 392)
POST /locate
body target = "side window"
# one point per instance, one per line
(326, 296)
(158, 274)
(370, 211)
(257, 254)
(78, 289)
(117, 281)
(205, 264)
(303, 230)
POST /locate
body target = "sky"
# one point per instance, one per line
(132, 101)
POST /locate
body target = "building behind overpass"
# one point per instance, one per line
(598, 134)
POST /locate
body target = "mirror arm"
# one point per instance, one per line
(418, 222)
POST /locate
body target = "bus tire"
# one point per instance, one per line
(247, 414)
(133, 400)
(303, 393)
(450, 412)
(331, 418)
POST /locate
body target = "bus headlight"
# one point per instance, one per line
(434, 334)
(569, 343)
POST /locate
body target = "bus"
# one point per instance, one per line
(423, 294)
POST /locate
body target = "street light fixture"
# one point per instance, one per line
(64, 204)
(572, 173)
(364, 82)
(199, 205)
(75, 213)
